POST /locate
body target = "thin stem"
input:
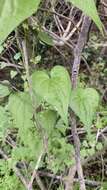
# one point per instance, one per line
(75, 71)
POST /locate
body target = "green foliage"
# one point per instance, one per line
(90, 145)
(60, 152)
(8, 181)
(54, 88)
(12, 15)
(17, 56)
(36, 59)
(84, 103)
(13, 12)
(76, 186)
(13, 74)
(4, 121)
(20, 107)
(21, 110)
(38, 125)
(60, 187)
(45, 131)
(44, 37)
(47, 120)
(4, 91)
(101, 120)
(89, 8)
(27, 135)
(104, 186)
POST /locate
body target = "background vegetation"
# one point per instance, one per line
(53, 95)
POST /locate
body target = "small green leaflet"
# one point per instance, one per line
(4, 91)
(13, 12)
(54, 88)
(89, 8)
(17, 56)
(84, 103)
(44, 37)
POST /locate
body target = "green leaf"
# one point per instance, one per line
(89, 8)
(48, 120)
(13, 74)
(17, 56)
(104, 186)
(21, 110)
(54, 88)
(44, 37)
(4, 91)
(36, 59)
(20, 107)
(1, 49)
(13, 12)
(4, 121)
(84, 103)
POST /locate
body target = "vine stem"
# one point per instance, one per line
(75, 71)
(26, 64)
(83, 36)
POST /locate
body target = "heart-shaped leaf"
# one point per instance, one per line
(13, 12)
(89, 8)
(54, 88)
(84, 103)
